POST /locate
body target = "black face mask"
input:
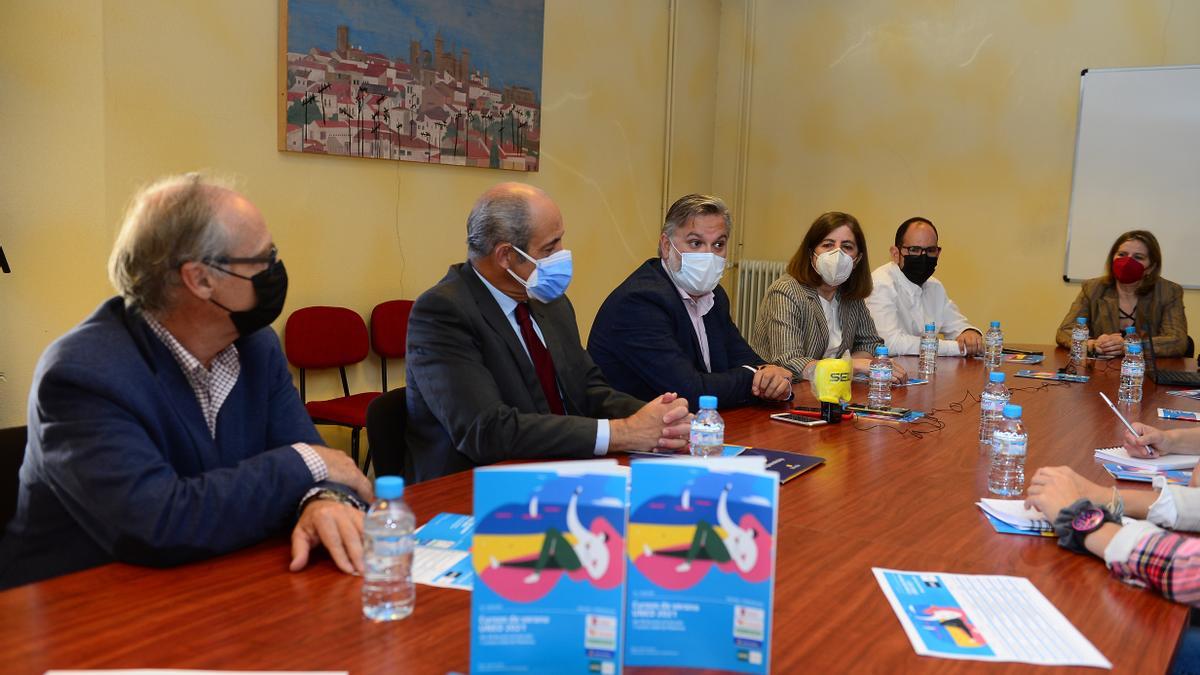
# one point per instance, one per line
(918, 268)
(270, 287)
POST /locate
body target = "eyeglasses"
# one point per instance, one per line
(931, 251)
(268, 259)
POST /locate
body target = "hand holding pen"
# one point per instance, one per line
(1148, 442)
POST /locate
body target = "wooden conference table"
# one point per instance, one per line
(881, 499)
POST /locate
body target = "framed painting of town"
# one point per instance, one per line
(437, 81)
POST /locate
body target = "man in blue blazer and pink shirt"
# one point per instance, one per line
(667, 326)
(165, 427)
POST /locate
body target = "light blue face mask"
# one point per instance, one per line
(551, 275)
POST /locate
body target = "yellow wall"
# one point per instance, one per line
(113, 94)
(963, 112)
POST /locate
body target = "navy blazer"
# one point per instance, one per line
(644, 342)
(473, 395)
(120, 464)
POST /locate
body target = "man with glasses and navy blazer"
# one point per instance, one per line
(906, 296)
(165, 428)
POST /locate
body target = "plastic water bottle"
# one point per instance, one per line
(388, 592)
(991, 405)
(993, 346)
(1079, 338)
(1131, 338)
(1009, 444)
(708, 430)
(880, 393)
(1133, 369)
(929, 352)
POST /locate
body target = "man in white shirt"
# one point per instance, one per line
(906, 296)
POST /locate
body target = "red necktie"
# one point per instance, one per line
(540, 356)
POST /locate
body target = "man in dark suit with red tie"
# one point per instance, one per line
(495, 368)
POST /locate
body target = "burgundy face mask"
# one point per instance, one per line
(1127, 270)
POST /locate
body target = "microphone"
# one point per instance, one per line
(831, 385)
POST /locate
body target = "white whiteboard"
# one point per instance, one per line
(1137, 166)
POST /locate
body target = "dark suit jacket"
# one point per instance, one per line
(473, 395)
(644, 342)
(120, 464)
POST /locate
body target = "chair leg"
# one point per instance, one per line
(354, 445)
(366, 467)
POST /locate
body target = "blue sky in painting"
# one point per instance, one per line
(504, 36)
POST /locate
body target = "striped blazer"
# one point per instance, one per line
(790, 330)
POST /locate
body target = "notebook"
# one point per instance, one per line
(1164, 463)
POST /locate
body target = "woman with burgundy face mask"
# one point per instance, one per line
(1132, 292)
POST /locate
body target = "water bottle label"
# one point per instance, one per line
(992, 405)
(881, 374)
(392, 547)
(1132, 370)
(1008, 444)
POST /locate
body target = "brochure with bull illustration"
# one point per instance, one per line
(701, 563)
(548, 555)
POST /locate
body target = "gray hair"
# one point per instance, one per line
(689, 206)
(498, 217)
(169, 222)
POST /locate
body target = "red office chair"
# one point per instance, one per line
(389, 332)
(330, 337)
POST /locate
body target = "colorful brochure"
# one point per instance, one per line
(443, 551)
(1171, 414)
(1141, 475)
(1047, 375)
(549, 557)
(701, 564)
(981, 617)
(1023, 358)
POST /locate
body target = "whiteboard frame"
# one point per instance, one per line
(1075, 159)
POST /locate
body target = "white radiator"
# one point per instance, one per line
(753, 278)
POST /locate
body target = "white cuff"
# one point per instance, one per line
(1121, 546)
(601, 448)
(949, 348)
(316, 465)
(1163, 512)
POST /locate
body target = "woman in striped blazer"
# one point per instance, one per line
(816, 309)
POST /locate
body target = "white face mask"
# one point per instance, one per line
(834, 266)
(699, 273)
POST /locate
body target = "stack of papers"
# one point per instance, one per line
(1010, 516)
(1163, 463)
(1171, 414)
(1173, 476)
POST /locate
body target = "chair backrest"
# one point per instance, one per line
(389, 328)
(325, 337)
(12, 455)
(386, 418)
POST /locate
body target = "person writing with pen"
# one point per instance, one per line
(1134, 531)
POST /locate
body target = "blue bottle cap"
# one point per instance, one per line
(995, 324)
(1134, 348)
(708, 402)
(1012, 411)
(1081, 320)
(1129, 330)
(929, 326)
(389, 487)
(881, 350)
(996, 376)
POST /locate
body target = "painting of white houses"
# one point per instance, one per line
(436, 81)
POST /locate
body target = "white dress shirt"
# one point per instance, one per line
(508, 307)
(696, 309)
(901, 309)
(833, 324)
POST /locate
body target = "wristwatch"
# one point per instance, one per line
(1075, 522)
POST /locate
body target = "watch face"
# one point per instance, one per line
(1088, 520)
